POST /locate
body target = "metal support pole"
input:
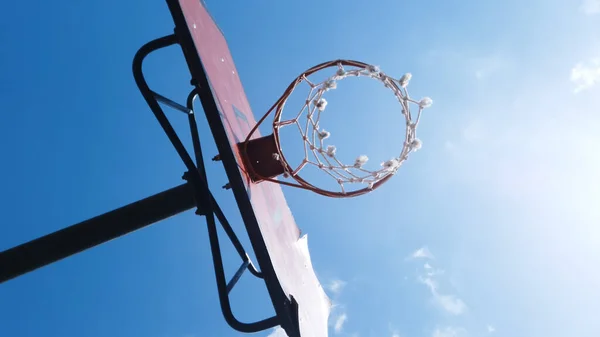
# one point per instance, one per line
(95, 231)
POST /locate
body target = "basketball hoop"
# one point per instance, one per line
(265, 159)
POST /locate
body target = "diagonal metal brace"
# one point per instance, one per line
(162, 99)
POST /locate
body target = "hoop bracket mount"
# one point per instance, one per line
(259, 156)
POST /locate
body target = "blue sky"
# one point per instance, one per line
(492, 229)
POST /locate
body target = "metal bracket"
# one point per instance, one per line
(196, 175)
(259, 155)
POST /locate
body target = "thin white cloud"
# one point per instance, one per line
(449, 303)
(422, 253)
(277, 332)
(393, 330)
(430, 271)
(491, 329)
(586, 75)
(430, 283)
(448, 331)
(590, 7)
(336, 286)
(434, 272)
(339, 322)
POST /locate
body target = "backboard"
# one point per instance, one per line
(281, 253)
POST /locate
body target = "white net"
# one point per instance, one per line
(321, 155)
